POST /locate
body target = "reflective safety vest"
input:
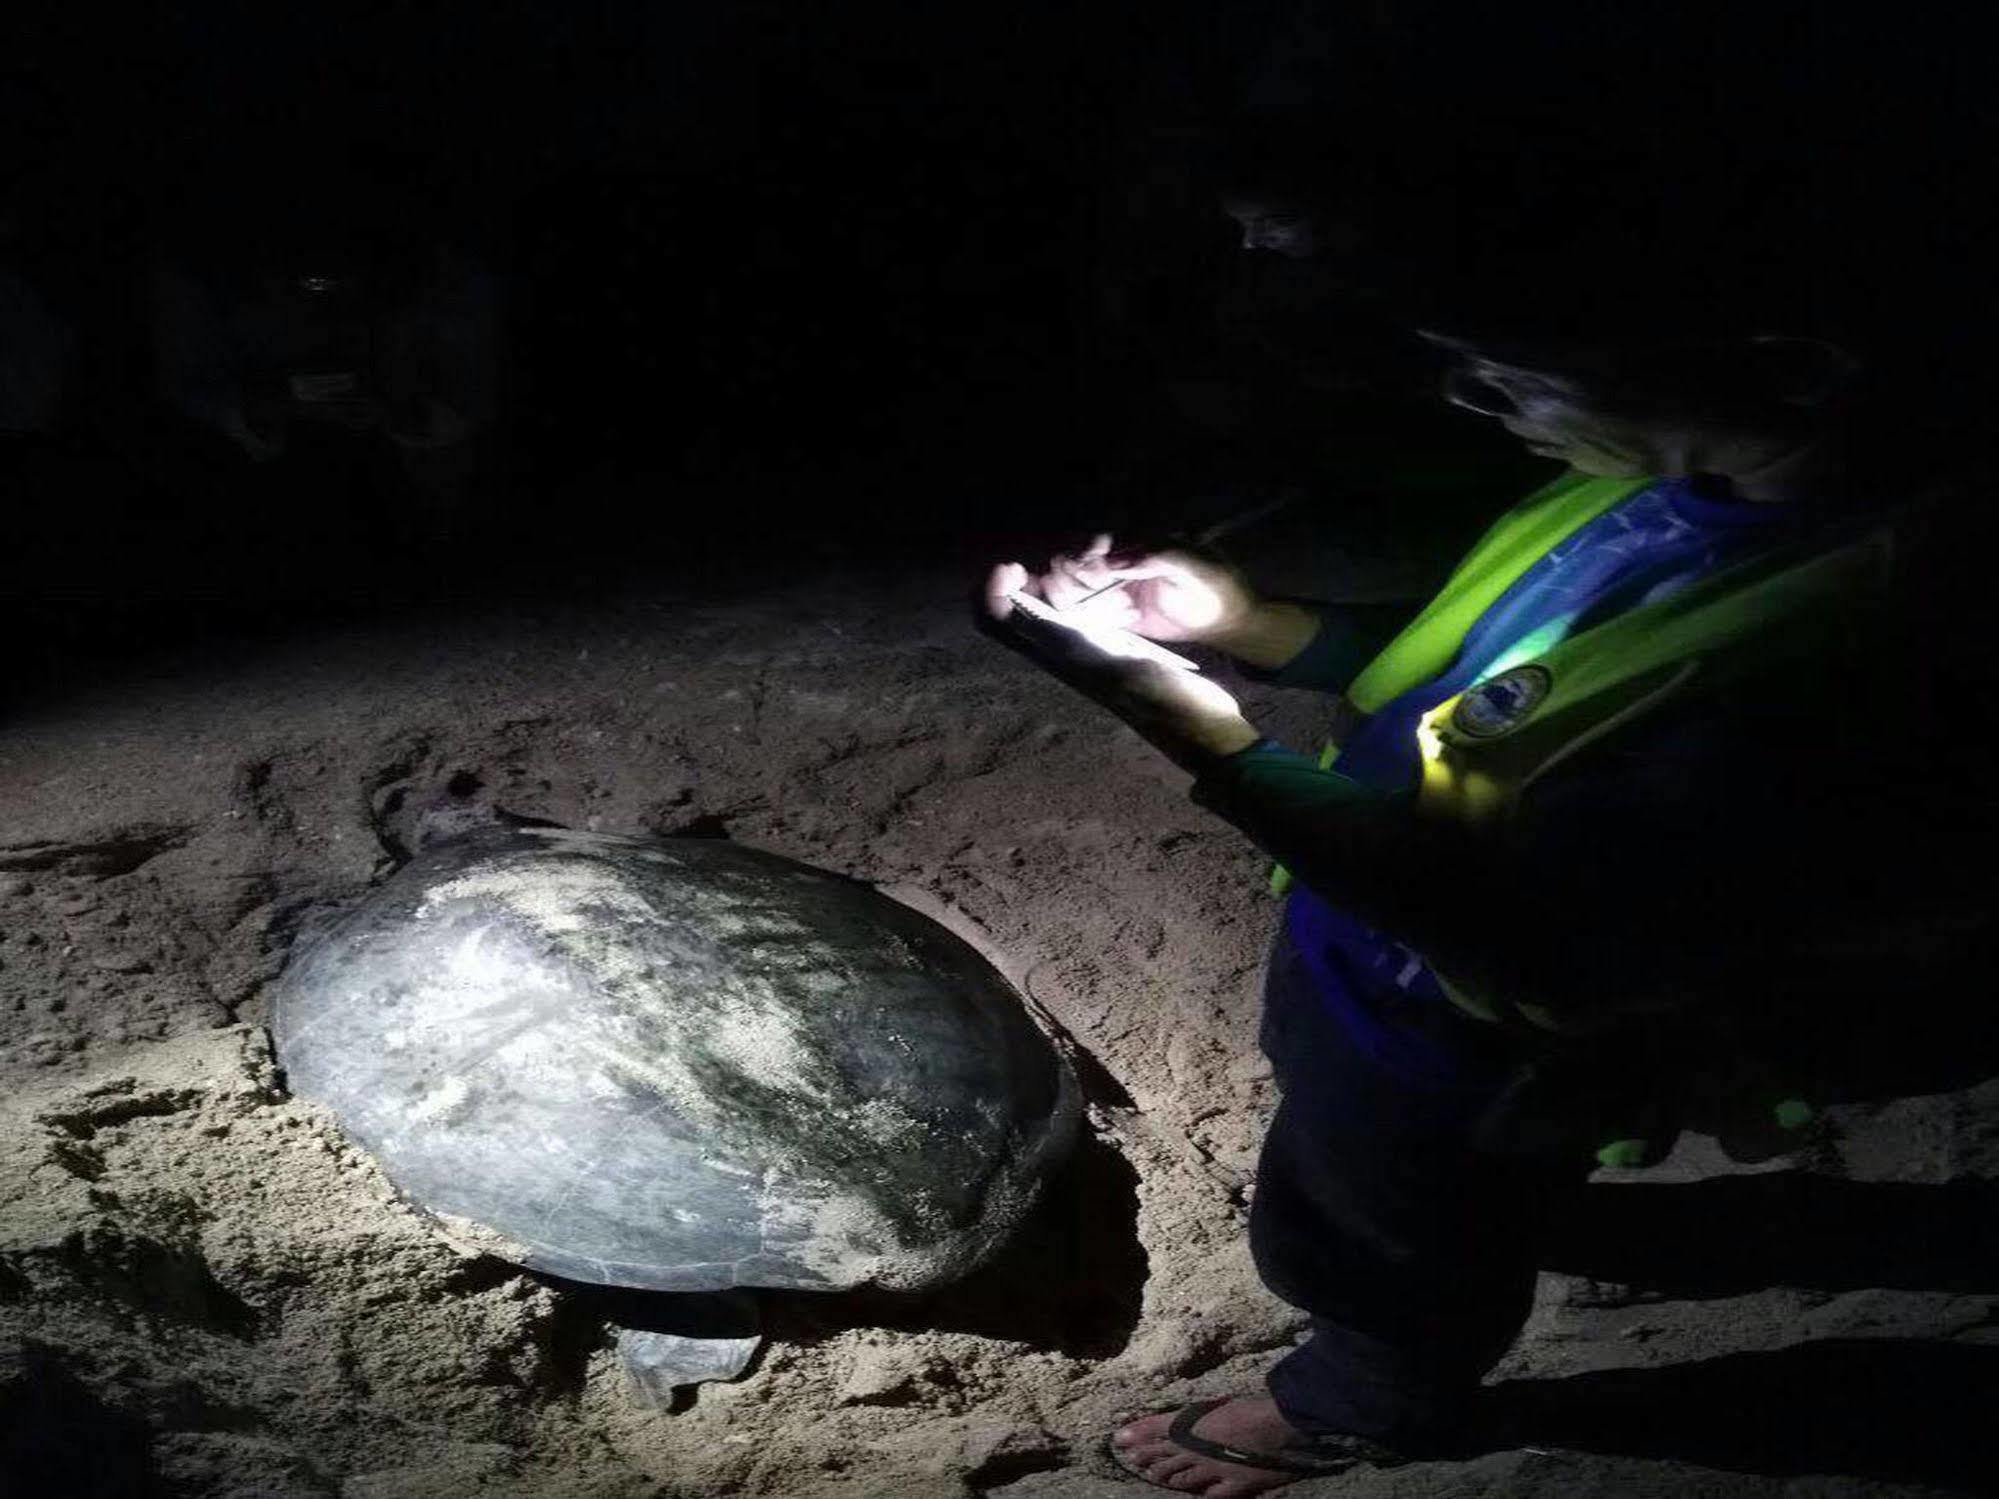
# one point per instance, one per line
(1482, 749)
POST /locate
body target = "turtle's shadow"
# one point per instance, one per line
(1070, 1280)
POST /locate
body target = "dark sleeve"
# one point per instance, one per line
(1362, 849)
(1349, 637)
(1686, 865)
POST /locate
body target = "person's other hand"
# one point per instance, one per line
(1163, 595)
(1190, 718)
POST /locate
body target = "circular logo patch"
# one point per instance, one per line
(1500, 704)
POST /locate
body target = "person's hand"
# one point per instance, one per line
(1190, 718)
(1163, 595)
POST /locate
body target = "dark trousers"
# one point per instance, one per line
(1412, 1246)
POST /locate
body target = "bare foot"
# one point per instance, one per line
(1250, 1422)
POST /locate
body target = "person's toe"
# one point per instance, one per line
(1146, 1430)
(1144, 1445)
(1170, 1465)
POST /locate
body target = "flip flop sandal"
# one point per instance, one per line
(1331, 1453)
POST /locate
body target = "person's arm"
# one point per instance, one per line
(1635, 882)
(1625, 889)
(1681, 865)
(1368, 851)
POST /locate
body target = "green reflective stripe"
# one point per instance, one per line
(1625, 1155)
(1752, 600)
(1515, 543)
(1608, 674)
(1431, 641)
(1793, 1113)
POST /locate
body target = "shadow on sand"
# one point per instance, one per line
(1741, 1233)
(1892, 1409)
(1899, 1408)
(1070, 1280)
(57, 1437)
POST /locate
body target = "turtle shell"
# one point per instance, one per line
(678, 1064)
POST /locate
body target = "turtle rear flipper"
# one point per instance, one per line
(689, 1339)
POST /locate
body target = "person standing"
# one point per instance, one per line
(1552, 888)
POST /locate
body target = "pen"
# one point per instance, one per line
(1206, 536)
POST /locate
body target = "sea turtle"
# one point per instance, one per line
(677, 1064)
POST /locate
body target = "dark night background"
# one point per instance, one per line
(779, 283)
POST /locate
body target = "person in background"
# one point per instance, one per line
(345, 331)
(329, 337)
(1307, 293)
(1332, 394)
(1608, 840)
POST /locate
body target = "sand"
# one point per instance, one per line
(204, 1290)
